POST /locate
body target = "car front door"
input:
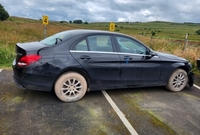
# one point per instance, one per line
(96, 55)
(138, 69)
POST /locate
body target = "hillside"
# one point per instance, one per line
(167, 30)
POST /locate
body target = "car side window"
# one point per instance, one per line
(100, 43)
(81, 46)
(127, 45)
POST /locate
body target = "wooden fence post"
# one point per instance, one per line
(151, 41)
(45, 31)
(186, 42)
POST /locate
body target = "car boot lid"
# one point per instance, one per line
(30, 46)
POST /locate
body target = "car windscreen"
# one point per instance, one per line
(55, 39)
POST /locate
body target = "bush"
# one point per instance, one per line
(153, 33)
(78, 21)
(85, 22)
(198, 32)
(63, 21)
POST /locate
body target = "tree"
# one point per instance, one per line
(198, 32)
(3, 13)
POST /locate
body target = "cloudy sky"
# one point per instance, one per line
(106, 10)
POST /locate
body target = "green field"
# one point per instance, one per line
(169, 36)
(166, 30)
(162, 29)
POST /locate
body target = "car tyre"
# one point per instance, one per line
(177, 81)
(70, 87)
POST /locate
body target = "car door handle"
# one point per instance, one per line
(127, 58)
(85, 57)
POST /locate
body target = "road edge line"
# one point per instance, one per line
(1, 70)
(196, 86)
(120, 114)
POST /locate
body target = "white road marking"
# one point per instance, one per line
(1, 70)
(196, 86)
(120, 114)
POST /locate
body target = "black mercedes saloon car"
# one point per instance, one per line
(75, 61)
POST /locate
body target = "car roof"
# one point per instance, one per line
(87, 31)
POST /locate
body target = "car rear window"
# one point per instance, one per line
(55, 39)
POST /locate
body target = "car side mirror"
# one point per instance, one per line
(150, 53)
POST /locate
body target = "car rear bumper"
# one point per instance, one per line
(32, 81)
(18, 84)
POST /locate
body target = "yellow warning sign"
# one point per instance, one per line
(112, 26)
(45, 20)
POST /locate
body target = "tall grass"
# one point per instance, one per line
(19, 30)
(6, 56)
(12, 33)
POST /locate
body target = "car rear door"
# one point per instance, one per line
(96, 54)
(137, 68)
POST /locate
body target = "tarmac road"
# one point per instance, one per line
(148, 110)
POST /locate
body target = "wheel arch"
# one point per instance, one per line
(175, 67)
(184, 68)
(177, 81)
(181, 66)
(190, 75)
(77, 70)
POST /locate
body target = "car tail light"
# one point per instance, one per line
(27, 60)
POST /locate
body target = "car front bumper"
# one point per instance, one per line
(191, 79)
(198, 63)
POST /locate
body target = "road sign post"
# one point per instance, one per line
(112, 26)
(45, 21)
